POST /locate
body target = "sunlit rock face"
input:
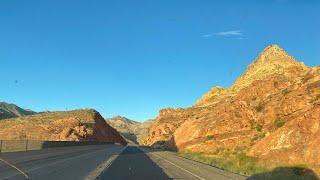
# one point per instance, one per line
(271, 111)
(132, 130)
(77, 125)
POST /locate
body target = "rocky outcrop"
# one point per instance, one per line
(164, 126)
(271, 112)
(132, 130)
(77, 125)
(297, 141)
(214, 96)
(273, 60)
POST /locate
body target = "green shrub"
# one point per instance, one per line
(254, 138)
(259, 108)
(259, 127)
(209, 137)
(279, 122)
(254, 98)
(286, 91)
(258, 136)
(308, 91)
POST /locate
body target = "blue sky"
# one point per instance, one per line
(133, 58)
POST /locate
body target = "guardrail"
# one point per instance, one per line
(28, 145)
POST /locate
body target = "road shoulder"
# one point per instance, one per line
(180, 168)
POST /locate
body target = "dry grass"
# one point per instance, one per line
(237, 162)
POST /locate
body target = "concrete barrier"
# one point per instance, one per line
(28, 145)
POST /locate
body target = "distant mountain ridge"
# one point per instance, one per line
(11, 110)
(130, 129)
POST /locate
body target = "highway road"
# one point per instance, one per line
(110, 161)
(68, 163)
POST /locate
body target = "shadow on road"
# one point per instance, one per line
(288, 173)
(134, 164)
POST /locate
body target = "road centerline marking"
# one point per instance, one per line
(103, 166)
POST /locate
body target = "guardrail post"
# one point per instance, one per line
(26, 145)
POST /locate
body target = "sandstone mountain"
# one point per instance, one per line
(11, 110)
(271, 113)
(76, 125)
(273, 60)
(132, 130)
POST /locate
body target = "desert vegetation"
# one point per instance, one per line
(279, 122)
(237, 162)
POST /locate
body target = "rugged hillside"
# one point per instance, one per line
(272, 113)
(134, 131)
(11, 110)
(273, 60)
(77, 125)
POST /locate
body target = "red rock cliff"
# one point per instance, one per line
(271, 111)
(77, 125)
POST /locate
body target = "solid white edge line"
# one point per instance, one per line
(14, 167)
(96, 173)
(176, 166)
(53, 163)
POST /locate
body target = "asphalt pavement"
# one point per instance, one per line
(109, 161)
(75, 162)
(136, 163)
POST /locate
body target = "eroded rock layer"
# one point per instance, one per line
(77, 125)
(272, 112)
